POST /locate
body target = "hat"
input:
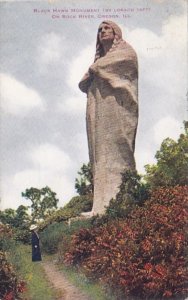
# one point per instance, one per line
(33, 226)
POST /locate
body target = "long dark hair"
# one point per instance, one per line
(117, 39)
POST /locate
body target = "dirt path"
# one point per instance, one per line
(59, 281)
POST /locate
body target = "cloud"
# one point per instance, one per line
(50, 157)
(51, 166)
(167, 127)
(74, 106)
(173, 38)
(59, 183)
(161, 56)
(79, 66)
(79, 144)
(148, 144)
(162, 84)
(143, 157)
(50, 49)
(16, 97)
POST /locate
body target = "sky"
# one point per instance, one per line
(46, 47)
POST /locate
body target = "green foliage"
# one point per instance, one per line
(18, 218)
(22, 218)
(132, 191)
(8, 216)
(38, 287)
(60, 233)
(79, 204)
(6, 237)
(172, 163)
(84, 184)
(142, 256)
(22, 235)
(43, 202)
(51, 237)
(72, 209)
(19, 221)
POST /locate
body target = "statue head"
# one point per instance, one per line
(105, 34)
(117, 37)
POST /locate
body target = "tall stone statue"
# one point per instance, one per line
(111, 85)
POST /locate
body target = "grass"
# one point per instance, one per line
(94, 290)
(59, 234)
(38, 287)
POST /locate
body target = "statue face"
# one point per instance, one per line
(105, 33)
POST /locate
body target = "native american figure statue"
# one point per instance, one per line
(111, 85)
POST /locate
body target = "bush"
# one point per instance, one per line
(22, 235)
(142, 256)
(132, 191)
(172, 163)
(59, 233)
(11, 286)
(79, 204)
(6, 234)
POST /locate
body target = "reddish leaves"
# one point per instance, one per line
(144, 255)
(10, 286)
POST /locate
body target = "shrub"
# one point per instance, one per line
(79, 204)
(84, 184)
(59, 233)
(6, 234)
(50, 237)
(7, 277)
(22, 235)
(131, 191)
(172, 163)
(143, 256)
(10, 287)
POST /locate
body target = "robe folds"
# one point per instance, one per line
(111, 85)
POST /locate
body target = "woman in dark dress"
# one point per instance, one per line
(36, 254)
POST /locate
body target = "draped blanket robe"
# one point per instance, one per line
(111, 85)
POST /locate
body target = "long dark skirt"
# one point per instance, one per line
(36, 254)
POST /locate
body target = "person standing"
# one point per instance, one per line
(36, 253)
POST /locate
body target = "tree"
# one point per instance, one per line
(18, 218)
(8, 216)
(84, 184)
(43, 202)
(131, 191)
(22, 217)
(172, 163)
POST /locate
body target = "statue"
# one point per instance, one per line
(111, 85)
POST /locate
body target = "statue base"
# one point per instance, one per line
(88, 214)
